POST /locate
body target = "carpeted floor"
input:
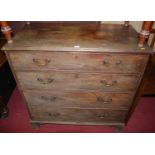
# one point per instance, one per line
(142, 120)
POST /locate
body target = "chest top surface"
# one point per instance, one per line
(77, 37)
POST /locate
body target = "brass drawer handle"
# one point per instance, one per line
(107, 63)
(40, 62)
(48, 98)
(102, 115)
(106, 84)
(45, 81)
(56, 114)
(104, 101)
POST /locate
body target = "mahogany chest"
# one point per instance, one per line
(78, 73)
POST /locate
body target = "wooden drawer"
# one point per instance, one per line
(37, 60)
(75, 81)
(79, 99)
(76, 115)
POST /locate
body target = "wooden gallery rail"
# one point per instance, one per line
(6, 30)
(144, 34)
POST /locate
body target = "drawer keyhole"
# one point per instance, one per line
(106, 63)
(119, 62)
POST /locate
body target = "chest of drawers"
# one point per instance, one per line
(78, 74)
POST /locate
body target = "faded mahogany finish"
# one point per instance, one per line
(58, 80)
(77, 115)
(78, 73)
(43, 60)
(84, 99)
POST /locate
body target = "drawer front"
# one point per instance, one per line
(79, 99)
(76, 81)
(41, 113)
(37, 60)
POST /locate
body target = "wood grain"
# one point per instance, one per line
(80, 99)
(43, 60)
(56, 80)
(76, 115)
(77, 37)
